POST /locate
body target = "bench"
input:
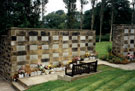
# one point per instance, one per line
(81, 68)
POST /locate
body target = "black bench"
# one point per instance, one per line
(82, 68)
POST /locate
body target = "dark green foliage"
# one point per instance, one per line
(19, 13)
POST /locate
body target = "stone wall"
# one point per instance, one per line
(123, 39)
(5, 54)
(32, 46)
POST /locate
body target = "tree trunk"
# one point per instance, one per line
(93, 18)
(101, 20)
(133, 15)
(112, 16)
(81, 17)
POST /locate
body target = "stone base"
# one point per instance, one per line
(76, 77)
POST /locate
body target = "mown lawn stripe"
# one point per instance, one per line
(116, 82)
(128, 86)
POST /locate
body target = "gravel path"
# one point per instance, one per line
(130, 66)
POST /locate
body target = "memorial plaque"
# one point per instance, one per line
(55, 63)
(13, 43)
(65, 38)
(82, 53)
(33, 38)
(21, 58)
(90, 37)
(82, 44)
(45, 63)
(125, 46)
(45, 56)
(74, 54)
(90, 44)
(132, 46)
(44, 38)
(20, 48)
(20, 38)
(82, 37)
(132, 30)
(33, 47)
(125, 37)
(65, 62)
(45, 47)
(131, 37)
(65, 45)
(33, 57)
(65, 54)
(125, 53)
(55, 37)
(74, 45)
(55, 54)
(126, 31)
(74, 37)
(55, 46)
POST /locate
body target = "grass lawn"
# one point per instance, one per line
(101, 48)
(110, 79)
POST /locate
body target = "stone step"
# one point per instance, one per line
(18, 86)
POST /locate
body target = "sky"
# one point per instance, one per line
(55, 5)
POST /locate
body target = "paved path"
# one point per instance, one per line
(130, 66)
(5, 85)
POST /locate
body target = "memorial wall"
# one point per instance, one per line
(123, 39)
(44, 46)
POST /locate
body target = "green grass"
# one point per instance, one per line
(101, 48)
(110, 79)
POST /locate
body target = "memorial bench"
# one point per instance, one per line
(81, 68)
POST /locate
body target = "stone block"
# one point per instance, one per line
(131, 37)
(33, 57)
(56, 63)
(82, 53)
(45, 56)
(45, 38)
(74, 37)
(90, 37)
(126, 31)
(82, 37)
(65, 54)
(74, 54)
(65, 38)
(82, 44)
(33, 47)
(125, 37)
(20, 48)
(21, 58)
(55, 37)
(90, 44)
(74, 45)
(55, 54)
(33, 38)
(65, 45)
(45, 47)
(132, 30)
(20, 38)
(55, 46)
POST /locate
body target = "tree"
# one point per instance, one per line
(71, 6)
(133, 12)
(44, 2)
(55, 20)
(93, 13)
(101, 18)
(83, 2)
